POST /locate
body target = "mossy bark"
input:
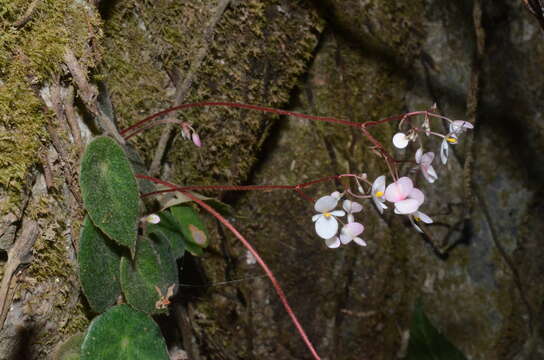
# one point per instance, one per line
(359, 60)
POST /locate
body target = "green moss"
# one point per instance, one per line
(251, 59)
(29, 55)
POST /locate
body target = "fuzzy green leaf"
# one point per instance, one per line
(109, 190)
(151, 277)
(99, 260)
(192, 227)
(426, 343)
(169, 228)
(123, 333)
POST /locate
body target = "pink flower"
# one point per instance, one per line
(424, 161)
(350, 231)
(196, 139)
(406, 198)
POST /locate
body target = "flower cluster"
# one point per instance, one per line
(403, 196)
(326, 222)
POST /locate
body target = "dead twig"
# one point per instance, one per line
(89, 93)
(19, 254)
(68, 102)
(71, 178)
(183, 88)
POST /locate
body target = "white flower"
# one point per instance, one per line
(326, 224)
(424, 161)
(444, 147)
(350, 232)
(152, 219)
(404, 195)
(459, 126)
(400, 140)
(333, 242)
(351, 207)
(418, 216)
(378, 192)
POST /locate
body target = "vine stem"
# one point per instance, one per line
(250, 248)
(241, 106)
(251, 187)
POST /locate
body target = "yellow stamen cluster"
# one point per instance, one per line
(451, 140)
(327, 214)
(379, 193)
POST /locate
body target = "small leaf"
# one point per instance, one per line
(153, 267)
(109, 190)
(192, 227)
(99, 261)
(169, 228)
(176, 198)
(426, 343)
(122, 333)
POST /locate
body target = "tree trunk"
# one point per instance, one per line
(71, 70)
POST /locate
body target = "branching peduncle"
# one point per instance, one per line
(250, 248)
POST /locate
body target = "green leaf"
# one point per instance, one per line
(176, 198)
(99, 260)
(122, 333)
(151, 277)
(426, 343)
(192, 227)
(109, 190)
(70, 349)
(169, 228)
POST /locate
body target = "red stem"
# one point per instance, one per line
(248, 246)
(241, 106)
(250, 187)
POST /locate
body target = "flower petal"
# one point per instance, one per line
(379, 204)
(325, 204)
(359, 241)
(400, 140)
(333, 242)
(460, 126)
(415, 225)
(338, 213)
(326, 227)
(315, 217)
(423, 217)
(352, 206)
(405, 207)
(427, 158)
(418, 195)
(353, 228)
(378, 184)
(337, 195)
(430, 174)
(345, 239)
(419, 152)
(399, 190)
(444, 151)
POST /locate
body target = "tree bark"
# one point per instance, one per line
(71, 70)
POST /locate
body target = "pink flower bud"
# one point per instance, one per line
(196, 139)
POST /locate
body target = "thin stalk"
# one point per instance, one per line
(269, 273)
